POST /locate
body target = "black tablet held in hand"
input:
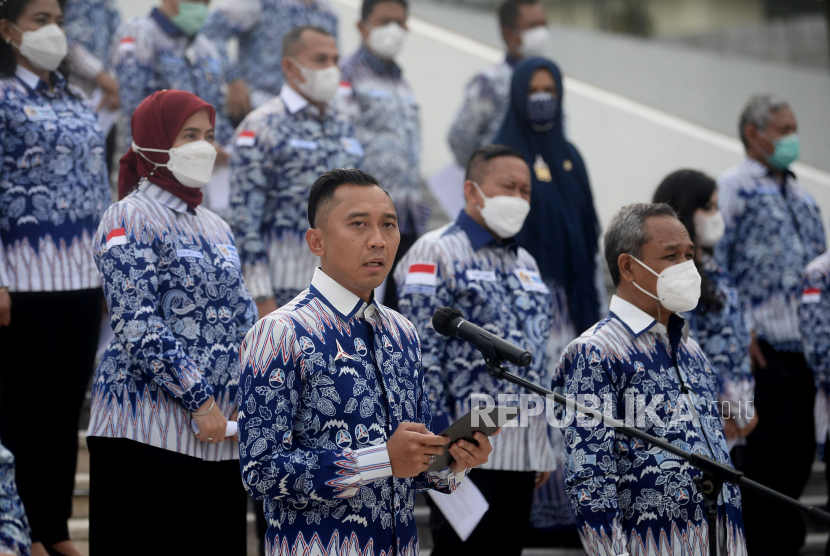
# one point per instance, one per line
(485, 421)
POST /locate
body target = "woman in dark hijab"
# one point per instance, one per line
(561, 230)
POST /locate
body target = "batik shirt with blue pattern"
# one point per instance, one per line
(496, 286)
(279, 150)
(724, 338)
(53, 185)
(90, 26)
(630, 497)
(151, 54)
(482, 111)
(179, 310)
(15, 534)
(814, 317)
(772, 232)
(326, 380)
(259, 26)
(378, 101)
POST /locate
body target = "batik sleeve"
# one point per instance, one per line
(228, 20)
(133, 55)
(15, 535)
(423, 289)
(274, 379)
(252, 175)
(473, 119)
(128, 265)
(592, 472)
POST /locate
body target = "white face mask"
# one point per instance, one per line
(191, 164)
(45, 48)
(504, 215)
(387, 41)
(535, 41)
(678, 287)
(320, 84)
(709, 228)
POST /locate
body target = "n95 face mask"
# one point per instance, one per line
(45, 48)
(709, 228)
(191, 164)
(320, 84)
(387, 41)
(678, 286)
(534, 41)
(503, 214)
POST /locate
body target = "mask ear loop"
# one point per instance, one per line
(480, 192)
(136, 149)
(636, 285)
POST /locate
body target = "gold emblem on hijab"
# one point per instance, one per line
(567, 165)
(541, 169)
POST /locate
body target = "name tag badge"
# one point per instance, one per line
(352, 146)
(530, 280)
(229, 252)
(481, 275)
(39, 113)
(303, 144)
(188, 253)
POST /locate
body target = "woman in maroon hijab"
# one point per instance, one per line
(164, 472)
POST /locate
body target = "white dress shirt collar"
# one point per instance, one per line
(342, 300)
(638, 321)
(294, 101)
(27, 77)
(162, 196)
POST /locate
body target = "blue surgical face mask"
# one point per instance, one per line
(191, 17)
(787, 150)
(541, 110)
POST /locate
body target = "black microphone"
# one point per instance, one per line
(448, 321)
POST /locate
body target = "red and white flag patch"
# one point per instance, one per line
(811, 295)
(117, 237)
(422, 274)
(345, 89)
(127, 44)
(246, 138)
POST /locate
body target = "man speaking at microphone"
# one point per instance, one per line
(474, 264)
(632, 499)
(333, 418)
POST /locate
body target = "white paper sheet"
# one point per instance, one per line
(218, 190)
(464, 508)
(106, 117)
(447, 186)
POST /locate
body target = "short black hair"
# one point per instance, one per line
(486, 154)
(292, 39)
(509, 12)
(322, 190)
(369, 5)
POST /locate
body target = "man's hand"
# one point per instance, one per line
(265, 307)
(5, 308)
(756, 355)
(467, 455)
(238, 103)
(730, 429)
(410, 447)
(541, 478)
(109, 85)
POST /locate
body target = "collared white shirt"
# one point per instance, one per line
(638, 321)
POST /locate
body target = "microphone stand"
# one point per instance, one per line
(714, 472)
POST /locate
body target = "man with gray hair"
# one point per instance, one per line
(773, 230)
(640, 365)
